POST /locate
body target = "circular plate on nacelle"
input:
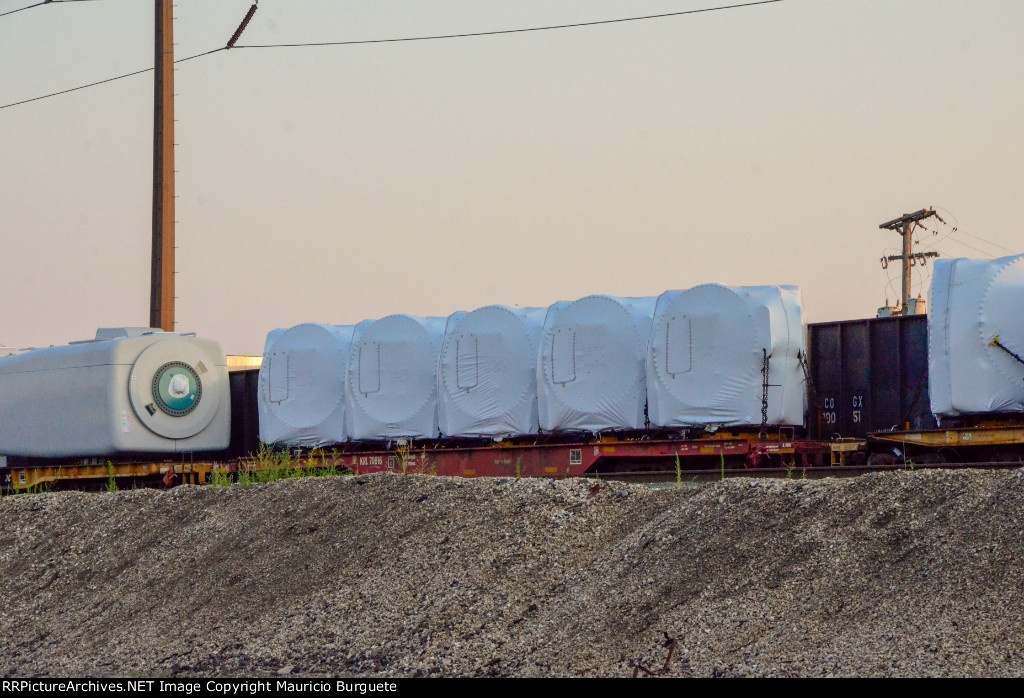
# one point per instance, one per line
(167, 392)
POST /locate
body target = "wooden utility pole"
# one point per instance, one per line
(161, 298)
(904, 225)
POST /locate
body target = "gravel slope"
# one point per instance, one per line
(896, 574)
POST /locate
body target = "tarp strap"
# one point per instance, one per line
(764, 394)
(997, 343)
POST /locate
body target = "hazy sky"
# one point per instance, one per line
(749, 146)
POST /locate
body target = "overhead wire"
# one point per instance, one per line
(976, 249)
(21, 9)
(987, 242)
(572, 25)
(381, 41)
(956, 230)
(40, 4)
(101, 82)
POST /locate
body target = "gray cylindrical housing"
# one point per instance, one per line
(152, 393)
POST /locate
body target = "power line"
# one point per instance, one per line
(382, 41)
(509, 31)
(956, 229)
(29, 7)
(976, 249)
(40, 4)
(987, 242)
(101, 82)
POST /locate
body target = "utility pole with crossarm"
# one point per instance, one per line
(905, 225)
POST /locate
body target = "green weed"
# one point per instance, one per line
(220, 477)
(270, 465)
(111, 485)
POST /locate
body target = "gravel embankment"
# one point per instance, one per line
(897, 574)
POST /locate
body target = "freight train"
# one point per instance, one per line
(705, 378)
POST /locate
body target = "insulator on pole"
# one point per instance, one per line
(242, 26)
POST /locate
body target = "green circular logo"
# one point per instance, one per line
(177, 389)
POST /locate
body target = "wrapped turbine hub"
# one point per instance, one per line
(590, 372)
(975, 328)
(128, 392)
(707, 351)
(301, 396)
(392, 378)
(488, 373)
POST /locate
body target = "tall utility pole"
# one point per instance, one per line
(161, 297)
(904, 225)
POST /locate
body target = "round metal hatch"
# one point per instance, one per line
(174, 388)
(177, 388)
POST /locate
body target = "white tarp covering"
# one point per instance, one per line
(301, 396)
(974, 303)
(487, 381)
(591, 368)
(392, 378)
(707, 349)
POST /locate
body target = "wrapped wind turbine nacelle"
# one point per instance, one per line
(392, 378)
(128, 391)
(975, 327)
(301, 395)
(707, 351)
(591, 366)
(487, 381)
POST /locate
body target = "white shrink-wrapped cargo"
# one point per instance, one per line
(392, 378)
(975, 327)
(301, 396)
(133, 392)
(591, 366)
(707, 352)
(487, 382)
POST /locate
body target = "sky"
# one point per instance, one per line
(751, 146)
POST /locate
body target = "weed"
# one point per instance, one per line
(270, 465)
(37, 488)
(220, 477)
(405, 457)
(679, 474)
(111, 482)
(246, 478)
(721, 466)
(519, 469)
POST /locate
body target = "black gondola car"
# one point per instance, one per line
(868, 376)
